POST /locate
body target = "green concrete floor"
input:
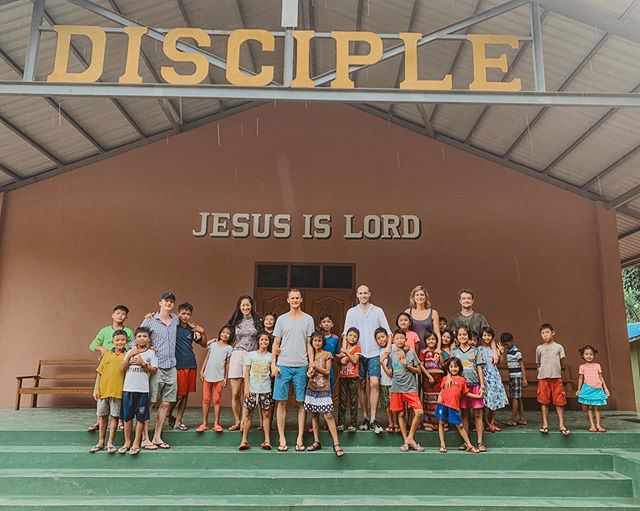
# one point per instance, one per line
(45, 465)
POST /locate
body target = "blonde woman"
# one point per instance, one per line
(425, 318)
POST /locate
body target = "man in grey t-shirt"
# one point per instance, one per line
(290, 355)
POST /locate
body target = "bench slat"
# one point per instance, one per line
(84, 362)
(56, 390)
(70, 376)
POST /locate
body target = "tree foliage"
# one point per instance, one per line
(631, 287)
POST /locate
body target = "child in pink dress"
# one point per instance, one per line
(592, 390)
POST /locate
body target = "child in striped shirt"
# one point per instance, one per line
(510, 354)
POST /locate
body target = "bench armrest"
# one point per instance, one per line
(34, 376)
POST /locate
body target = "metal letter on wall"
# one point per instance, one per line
(169, 74)
(61, 72)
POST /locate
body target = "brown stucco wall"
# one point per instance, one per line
(121, 231)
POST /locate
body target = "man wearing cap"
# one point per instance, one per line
(163, 385)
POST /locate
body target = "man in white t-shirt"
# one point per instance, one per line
(289, 363)
(367, 317)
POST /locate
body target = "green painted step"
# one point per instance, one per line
(16, 482)
(512, 438)
(313, 502)
(389, 458)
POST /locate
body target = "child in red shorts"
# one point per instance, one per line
(402, 366)
(549, 357)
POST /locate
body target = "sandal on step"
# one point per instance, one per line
(443, 449)
(123, 450)
(202, 428)
(243, 446)
(134, 450)
(283, 447)
(93, 427)
(315, 446)
(565, 431)
(95, 449)
(601, 430)
(593, 430)
(150, 447)
(416, 447)
(462, 447)
(544, 431)
(404, 448)
(522, 423)
(481, 447)
(111, 450)
(266, 446)
(389, 429)
(234, 427)
(510, 423)
(300, 447)
(338, 450)
(472, 449)
(180, 427)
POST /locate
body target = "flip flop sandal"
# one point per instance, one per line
(416, 447)
(510, 423)
(404, 448)
(522, 423)
(389, 429)
(218, 429)
(315, 446)
(266, 446)
(565, 431)
(283, 448)
(593, 430)
(95, 449)
(202, 428)
(163, 445)
(396, 429)
(338, 450)
(462, 447)
(243, 446)
(601, 430)
(544, 431)
(472, 449)
(443, 449)
(234, 427)
(111, 450)
(134, 450)
(93, 428)
(482, 448)
(300, 448)
(123, 450)
(150, 447)
(181, 427)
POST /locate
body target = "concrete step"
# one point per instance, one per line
(191, 482)
(313, 502)
(524, 438)
(390, 458)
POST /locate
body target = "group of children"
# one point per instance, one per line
(458, 380)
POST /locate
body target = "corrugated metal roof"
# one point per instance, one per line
(77, 128)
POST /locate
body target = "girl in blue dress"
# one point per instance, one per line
(495, 396)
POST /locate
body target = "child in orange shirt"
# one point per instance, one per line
(454, 387)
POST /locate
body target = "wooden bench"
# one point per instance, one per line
(531, 370)
(86, 370)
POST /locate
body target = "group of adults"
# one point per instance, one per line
(172, 335)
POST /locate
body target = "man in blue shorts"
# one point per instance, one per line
(289, 362)
(367, 317)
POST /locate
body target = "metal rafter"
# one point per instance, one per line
(631, 261)
(356, 49)
(187, 20)
(611, 167)
(625, 198)
(318, 94)
(314, 41)
(207, 119)
(53, 104)
(594, 17)
(38, 147)
(631, 232)
(596, 48)
(168, 107)
(507, 76)
(398, 49)
(11, 173)
(78, 55)
(457, 56)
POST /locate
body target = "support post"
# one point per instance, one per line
(538, 56)
(34, 41)
(289, 22)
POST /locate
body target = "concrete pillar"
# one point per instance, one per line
(616, 342)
